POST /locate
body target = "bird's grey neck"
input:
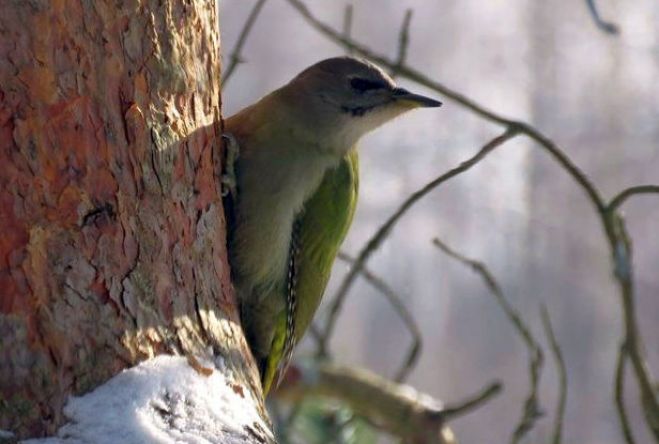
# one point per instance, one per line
(292, 175)
(331, 130)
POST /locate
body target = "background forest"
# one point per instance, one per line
(592, 92)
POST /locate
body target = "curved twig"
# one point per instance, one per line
(532, 410)
(612, 223)
(620, 396)
(478, 109)
(403, 42)
(608, 27)
(562, 376)
(413, 355)
(474, 402)
(384, 230)
(622, 196)
(235, 58)
(347, 24)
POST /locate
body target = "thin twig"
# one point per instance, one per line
(314, 331)
(405, 71)
(621, 252)
(376, 240)
(622, 196)
(608, 27)
(532, 409)
(397, 304)
(403, 42)
(562, 375)
(620, 396)
(235, 58)
(478, 109)
(347, 24)
(462, 408)
(611, 222)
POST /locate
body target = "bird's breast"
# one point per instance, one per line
(273, 185)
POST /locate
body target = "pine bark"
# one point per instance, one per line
(113, 236)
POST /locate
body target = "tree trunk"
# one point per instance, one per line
(113, 236)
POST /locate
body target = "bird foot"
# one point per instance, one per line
(228, 179)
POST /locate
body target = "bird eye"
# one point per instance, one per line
(362, 85)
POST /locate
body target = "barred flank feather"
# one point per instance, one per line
(316, 237)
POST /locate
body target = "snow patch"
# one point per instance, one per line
(4, 434)
(164, 400)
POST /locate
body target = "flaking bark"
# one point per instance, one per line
(113, 235)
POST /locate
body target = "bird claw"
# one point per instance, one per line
(228, 179)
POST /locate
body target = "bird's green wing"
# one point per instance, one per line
(321, 228)
(324, 225)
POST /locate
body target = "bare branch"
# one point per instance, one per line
(347, 24)
(478, 109)
(621, 249)
(413, 355)
(621, 197)
(403, 42)
(562, 376)
(396, 408)
(532, 409)
(611, 222)
(376, 240)
(315, 332)
(620, 396)
(235, 58)
(472, 403)
(404, 70)
(608, 27)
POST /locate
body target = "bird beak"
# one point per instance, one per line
(414, 100)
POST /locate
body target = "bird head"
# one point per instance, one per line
(340, 99)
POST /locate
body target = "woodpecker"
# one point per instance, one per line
(295, 178)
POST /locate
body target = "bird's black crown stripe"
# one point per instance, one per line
(363, 85)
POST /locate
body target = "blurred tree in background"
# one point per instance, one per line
(561, 215)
